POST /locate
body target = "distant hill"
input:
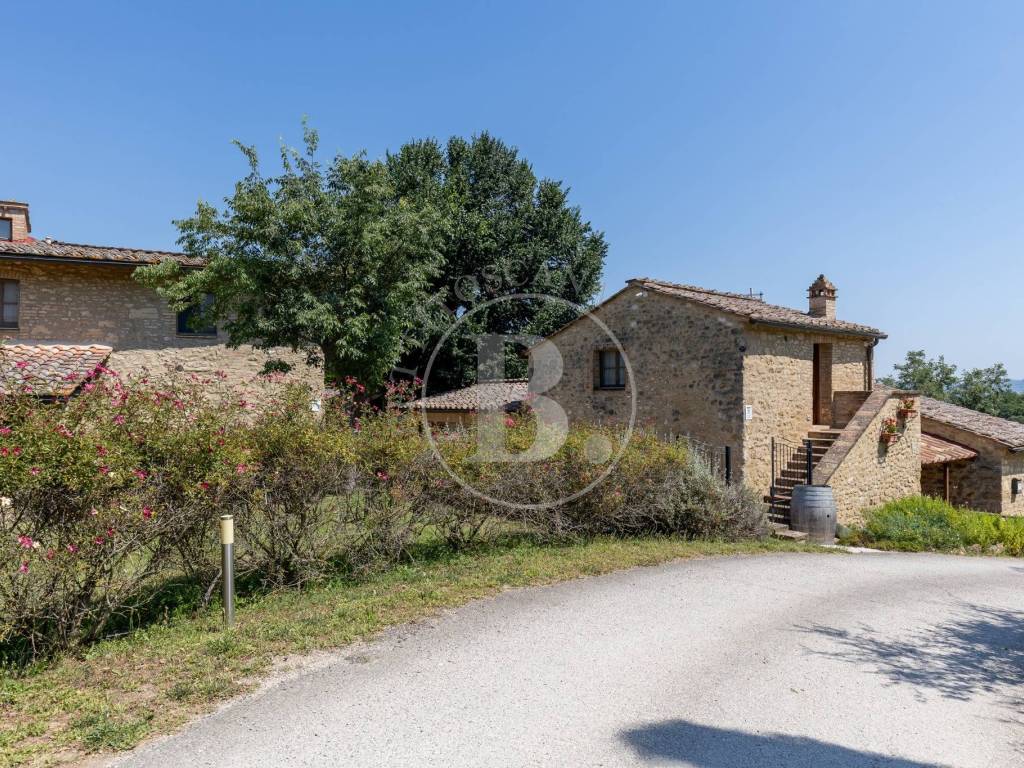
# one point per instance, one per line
(1018, 385)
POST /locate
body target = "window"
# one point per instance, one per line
(10, 298)
(6, 229)
(188, 318)
(611, 369)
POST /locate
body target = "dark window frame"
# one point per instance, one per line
(610, 376)
(10, 223)
(183, 320)
(4, 325)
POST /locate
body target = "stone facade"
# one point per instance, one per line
(695, 369)
(865, 472)
(985, 482)
(102, 304)
(778, 382)
(686, 362)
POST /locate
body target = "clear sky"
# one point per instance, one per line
(729, 145)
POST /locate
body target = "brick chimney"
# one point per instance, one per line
(14, 221)
(822, 295)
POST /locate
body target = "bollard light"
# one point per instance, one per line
(227, 554)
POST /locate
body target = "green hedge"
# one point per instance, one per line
(111, 497)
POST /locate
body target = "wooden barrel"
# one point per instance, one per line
(813, 511)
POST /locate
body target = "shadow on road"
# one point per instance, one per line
(704, 746)
(981, 651)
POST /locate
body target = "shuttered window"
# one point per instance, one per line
(10, 298)
(612, 369)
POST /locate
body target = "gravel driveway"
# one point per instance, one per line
(778, 660)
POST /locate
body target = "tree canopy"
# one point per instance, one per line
(507, 232)
(988, 390)
(331, 262)
(364, 265)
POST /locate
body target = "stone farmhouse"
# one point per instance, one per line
(68, 307)
(786, 390)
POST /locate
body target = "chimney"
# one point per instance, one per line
(14, 221)
(822, 295)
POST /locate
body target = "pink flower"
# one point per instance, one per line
(50, 554)
(509, 421)
(21, 364)
(101, 451)
(104, 470)
(25, 541)
(35, 470)
(23, 568)
(382, 475)
(4, 451)
(98, 540)
(16, 450)
(140, 473)
(5, 431)
(72, 548)
(147, 513)
(110, 531)
(241, 468)
(119, 419)
(89, 387)
(204, 485)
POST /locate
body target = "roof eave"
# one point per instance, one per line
(816, 329)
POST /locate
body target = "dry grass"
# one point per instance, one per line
(124, 690)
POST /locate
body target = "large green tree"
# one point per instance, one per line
(507, 232)
(329, 261)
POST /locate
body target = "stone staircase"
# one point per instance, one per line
(794, 471)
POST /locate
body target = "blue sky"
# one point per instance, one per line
(730, 145)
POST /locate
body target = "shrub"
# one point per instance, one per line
(921, 523)
(109, 502)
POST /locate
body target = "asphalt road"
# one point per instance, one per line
(859, 660)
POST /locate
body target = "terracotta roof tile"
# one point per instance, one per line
(49, 369)
(55, 249)
(1004, 431)
(935, 450)
(756, 310)
(487, 395)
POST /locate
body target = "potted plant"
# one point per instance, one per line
(906, 409)
(890, 431)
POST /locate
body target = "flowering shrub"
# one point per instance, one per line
(106, 497)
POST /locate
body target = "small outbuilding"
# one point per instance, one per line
(972, 459)
(459, 407)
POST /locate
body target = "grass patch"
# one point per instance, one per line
(925, 524)
(122, 690)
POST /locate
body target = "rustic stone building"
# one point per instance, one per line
(972, 459)
(82, 297)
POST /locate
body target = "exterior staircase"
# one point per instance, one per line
(790, 467)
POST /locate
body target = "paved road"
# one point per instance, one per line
(899, 661)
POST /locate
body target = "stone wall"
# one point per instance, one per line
(686, 359)
(1013, 467)
(845, 405)
(778, 382)
(862, 470)
(101, 304)
(984, 482)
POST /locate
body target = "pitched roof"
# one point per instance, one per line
(1004, 431)
(756, 310)
(484, 396)
(55, 250)
(49, 369)
(935, 450)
